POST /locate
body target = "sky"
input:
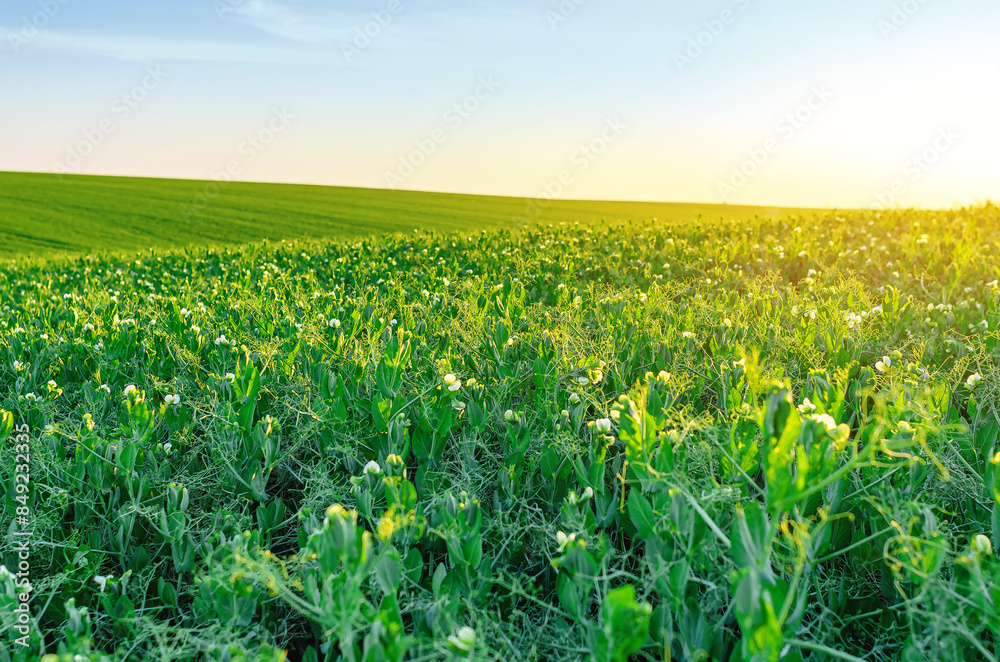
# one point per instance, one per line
(853, 103)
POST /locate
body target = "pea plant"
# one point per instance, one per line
(767, 441)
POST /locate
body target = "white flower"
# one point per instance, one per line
(334, 324)
(18, 366)
(221, 340)
(574, 399)
(807, 406)
(230, 377)
(130, 389)
(4, 573)
(88, 327)
(372, 468)
(826, 420)
(105, 388)
(973, 380)
(102, 581)
(687, 334)
(168, 447)
(884, 364)
(603, 425)
(510, 416)
(464, 639)
(564, 539)
(728, 323)
(452, 382)
(172, 399)
(981, 545)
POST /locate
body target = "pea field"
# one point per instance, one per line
(749, 439)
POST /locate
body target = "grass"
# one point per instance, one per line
(43, 214)
(771, 439)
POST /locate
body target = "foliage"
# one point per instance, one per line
(765, 440)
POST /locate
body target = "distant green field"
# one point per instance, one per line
(41, 214)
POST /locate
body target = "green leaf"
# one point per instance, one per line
(388, 571)
(626, 623)
(641, 513)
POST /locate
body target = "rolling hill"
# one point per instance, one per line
(46, 215)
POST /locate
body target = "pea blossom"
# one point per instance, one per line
(981, 546)
(102, 581)
(826, 420)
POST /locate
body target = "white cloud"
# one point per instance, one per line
(314, 26)
(145, 49)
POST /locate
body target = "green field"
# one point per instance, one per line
(769, 439)
(42, 214)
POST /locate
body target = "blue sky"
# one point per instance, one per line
(747, 101)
